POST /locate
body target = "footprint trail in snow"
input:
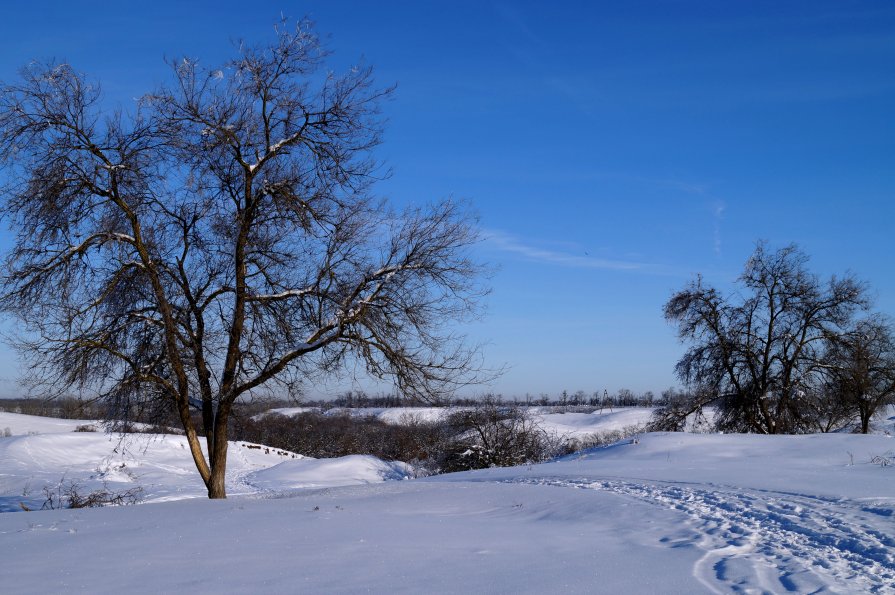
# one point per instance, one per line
(762, 541)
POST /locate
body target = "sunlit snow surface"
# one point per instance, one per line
(663, 513)
(563, 424)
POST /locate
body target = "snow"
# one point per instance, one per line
(326, 473)
(160, 465)
(19, 424)
(662, 512)
(287, 411)
(562, 424)
(576, 425)
(399, 415)
(391, 415)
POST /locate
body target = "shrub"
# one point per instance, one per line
(69, 494)
(495, 435)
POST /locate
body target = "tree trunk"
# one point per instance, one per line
(218, 454)
(216, 488)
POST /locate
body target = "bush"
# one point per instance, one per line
(323, 436)
(69, 494)
(494, 435)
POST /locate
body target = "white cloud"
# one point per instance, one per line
(509, 243)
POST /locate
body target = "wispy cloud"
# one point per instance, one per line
(716, 206)
(697, 188)
(509, 243)
(718, 212)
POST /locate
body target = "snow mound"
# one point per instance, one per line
(328, 473)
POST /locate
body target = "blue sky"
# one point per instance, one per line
(612, 150)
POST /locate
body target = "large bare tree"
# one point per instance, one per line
(221, 239)
(758, 352)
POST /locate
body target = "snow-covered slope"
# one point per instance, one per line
(576, 425)
(665, 513)
(160, 465)
(287, 411)
(19, 424)
(392, 415)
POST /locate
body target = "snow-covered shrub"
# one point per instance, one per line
(497, 435)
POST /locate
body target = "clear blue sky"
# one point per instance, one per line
(612, 149)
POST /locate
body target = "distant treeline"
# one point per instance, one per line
(62, 408)
(623, 398)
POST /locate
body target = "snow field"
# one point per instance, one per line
(666, 513)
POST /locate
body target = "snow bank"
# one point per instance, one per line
(327, 473)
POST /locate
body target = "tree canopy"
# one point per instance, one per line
(766, 355)
(222, 238)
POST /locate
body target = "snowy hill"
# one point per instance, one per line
(665, 513)
(16, 424)
(46, 451)
(576, 425)
(564, 424)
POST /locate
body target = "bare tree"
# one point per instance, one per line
(861, 363)
(222, 240)
(755, 353)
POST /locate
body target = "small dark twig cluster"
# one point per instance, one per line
(70, 494)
